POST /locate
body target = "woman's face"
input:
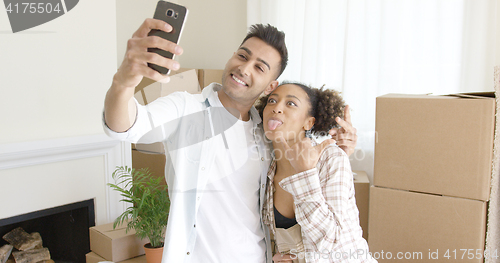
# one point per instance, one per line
(287, 113)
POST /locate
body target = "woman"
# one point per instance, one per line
(310, 190)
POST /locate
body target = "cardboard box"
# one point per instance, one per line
(182, 80)
(362, 192)
(207, 76)
(423, 227)
(114, 244)
(92, 257)
(204, 77)
(139, 259)
(435, 144)
(155, 162)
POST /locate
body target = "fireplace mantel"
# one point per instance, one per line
(114, 153)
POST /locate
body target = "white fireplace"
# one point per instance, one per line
(44, 174)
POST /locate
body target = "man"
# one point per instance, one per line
(217, 159)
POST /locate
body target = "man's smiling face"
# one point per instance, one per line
(251, 70)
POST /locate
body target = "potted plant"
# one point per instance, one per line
(150, 204)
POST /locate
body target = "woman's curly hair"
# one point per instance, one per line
(326, 105)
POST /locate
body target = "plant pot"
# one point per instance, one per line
(153, 255)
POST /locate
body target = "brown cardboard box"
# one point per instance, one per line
(114, 244)
(184, 81)
(92, 257)
(139, 259)
(422, 227)
(204, 77)
(155, 162)
(435, 144)
(362, 192)
(208, 76)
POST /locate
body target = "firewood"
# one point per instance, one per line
(38, 239)
(5, 253)
(21, 240)
(32, 256)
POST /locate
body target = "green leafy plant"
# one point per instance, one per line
(150, 204)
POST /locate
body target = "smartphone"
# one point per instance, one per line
(176, 16)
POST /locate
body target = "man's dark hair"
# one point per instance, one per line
(273, 37)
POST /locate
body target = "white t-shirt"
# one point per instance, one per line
(228, 220)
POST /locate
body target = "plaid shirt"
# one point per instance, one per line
(325, 208)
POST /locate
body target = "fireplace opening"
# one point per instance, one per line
(64, 229)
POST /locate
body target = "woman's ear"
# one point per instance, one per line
(309, 123)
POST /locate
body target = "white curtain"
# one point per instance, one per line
(367, 48)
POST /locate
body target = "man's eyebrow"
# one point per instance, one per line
(258, 59)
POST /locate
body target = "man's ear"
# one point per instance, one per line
(271, 87)
(309, 123)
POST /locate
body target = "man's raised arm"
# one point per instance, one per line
(119, 107)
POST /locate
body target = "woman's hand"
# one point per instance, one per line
(302, 155)
(286, 258)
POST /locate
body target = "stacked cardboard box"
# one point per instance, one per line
(433, 158)
(116, 245)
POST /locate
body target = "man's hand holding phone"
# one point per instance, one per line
(135, 64)
(150, 54)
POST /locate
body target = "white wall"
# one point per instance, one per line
(54, 76)
(53, 80)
